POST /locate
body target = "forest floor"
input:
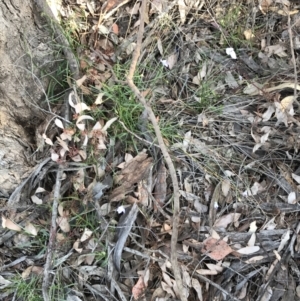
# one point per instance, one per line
(176, 178)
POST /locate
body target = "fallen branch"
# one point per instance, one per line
(289, 251)
(164, 151)
(52, 236)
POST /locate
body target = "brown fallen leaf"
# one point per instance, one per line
(141, 285)
(216, 249)
(133, 172)
(227, 219)
(115, 29)
(7, 223)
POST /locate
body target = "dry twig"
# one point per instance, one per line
(293, 56)
(284, 259)
(217, 286)
(51, 245)
(165, 153)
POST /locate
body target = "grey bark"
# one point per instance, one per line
(27, 58)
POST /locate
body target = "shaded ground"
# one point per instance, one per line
(221, 79)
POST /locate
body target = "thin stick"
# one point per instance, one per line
(217, 286)
(52, 237)
(137, 136)
(293, 56)
(164, 151)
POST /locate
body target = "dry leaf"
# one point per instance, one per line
(172, 60)
(292, 198)
(81, 126)
(264, 5)
(128, 176)
(248, 34)
(36, 200)
(251, 241)
(225, 187)
(205, 272)
(186, 140)
(7, 223)
(203, 119)
(200, 207)
(268, 114)
(214, 267)
(139, 288)
(31, 229)
(4, 283)
(160, 47)
(214, 234)
(54, 156)
(27, 272)
(115, 28)
(216, 249)
(284, 239)
(106, 208)
(283, 86)
(108, 124)
(99, 100)
(130, 48)
(59, 123)
(63, 144)
(39, 190)
(287, 102)
(196, 80)
(80, 107)
(76, 246)
(142, 193)
(228, 173)
(225, 220)
(167, 288)
(253, 89)
(80, 81)
(256, 147)
(284, 12)
(268, 294)
(296, 178)
(276, 49)
(63, 223)
(47, 140)
(248, 250)
(253, 227)
(254, 259)
(189, 196)
(86, 234)
(203, 71)
(230, 80)
(197, 287)
(182, 10)
(102, 29)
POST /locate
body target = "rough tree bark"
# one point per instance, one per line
(27, 57)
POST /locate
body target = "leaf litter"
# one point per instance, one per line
(231, 123)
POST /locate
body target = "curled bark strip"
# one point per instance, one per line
(124, 228)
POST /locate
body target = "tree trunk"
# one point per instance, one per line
(27, 56)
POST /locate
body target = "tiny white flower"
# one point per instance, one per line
(121, 209)
(231, 52)
(164, 62)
